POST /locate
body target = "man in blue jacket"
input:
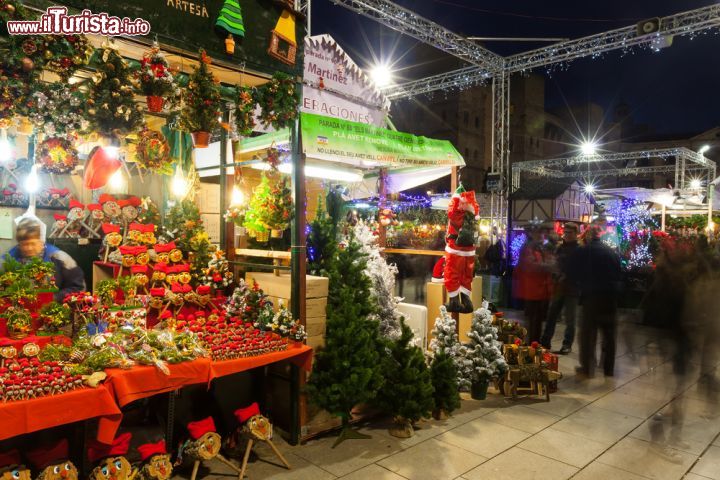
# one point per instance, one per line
(69, 276)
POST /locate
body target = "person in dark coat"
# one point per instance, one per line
(564, 293)
(596, 269)
(69, 276)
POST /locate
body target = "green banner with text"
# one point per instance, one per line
(330, 138)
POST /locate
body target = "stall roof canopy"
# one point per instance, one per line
(360, 145)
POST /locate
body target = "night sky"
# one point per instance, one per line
(675, 91)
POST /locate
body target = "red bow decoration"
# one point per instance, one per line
(149, 450)
(203, 290)
(76, 204)
(165, 247)
(108, 228)
(157, 292)
(59, 217)
(134, 201)
(119, 446)
(139, 269)
(183, 267)
(166, 314)
(45, 456)
(161, 267)
(176, 288)
(130, 250)
(139, 227)
(94, 206)
(245, 414)
(201, 427)
(104, 198)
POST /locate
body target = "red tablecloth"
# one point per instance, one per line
(146, 381)
(17, 418)
(124, 386)
(300, 356)
(41, 341)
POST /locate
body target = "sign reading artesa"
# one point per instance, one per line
(336, 87)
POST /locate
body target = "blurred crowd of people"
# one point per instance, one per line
(580, 277)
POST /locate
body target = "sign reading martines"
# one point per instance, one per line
(336, 87)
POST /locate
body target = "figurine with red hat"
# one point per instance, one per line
(52, 462)
(204, 444)
(11, 467)
(58, 226)
(110, 208)
(129, 209)
(95, 219)
(109, 460)
(75, 218)
(463, 213)
(255, 428)
(155, 462)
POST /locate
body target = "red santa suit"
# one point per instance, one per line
(463, 212)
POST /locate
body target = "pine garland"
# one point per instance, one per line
(111, 107)
(245, 110)
(279, 101)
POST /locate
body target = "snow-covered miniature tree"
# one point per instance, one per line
(383, 276)
(445, 339)
(484, 349)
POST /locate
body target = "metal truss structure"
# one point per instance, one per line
(486, 64)
(410, 23)
(591, 167)
(685, 23)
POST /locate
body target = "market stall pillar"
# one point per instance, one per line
(298, 261)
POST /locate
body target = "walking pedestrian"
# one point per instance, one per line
(564, 292)
(596, 269)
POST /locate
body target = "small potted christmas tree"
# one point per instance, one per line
(156, 79)
(280, 208)
(202, 103)
(407, 393)
(485, 352)
(258, 210)
(444, 365)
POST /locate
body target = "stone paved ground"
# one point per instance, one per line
(591, 429)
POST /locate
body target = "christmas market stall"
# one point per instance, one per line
(99, 142)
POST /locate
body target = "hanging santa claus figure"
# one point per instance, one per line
(463, 214)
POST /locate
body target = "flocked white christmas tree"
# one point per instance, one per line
(484, 349)
(445, 338)
(382, 275)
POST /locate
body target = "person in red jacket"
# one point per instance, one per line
(463, 214)
(532, 281)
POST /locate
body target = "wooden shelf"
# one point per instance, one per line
(249, 252)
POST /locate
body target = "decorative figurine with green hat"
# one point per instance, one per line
(463, 214)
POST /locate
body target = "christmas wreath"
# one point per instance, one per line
(279, 101)
(57, 109)
(153, 152)
(57, 155)
(245, 110)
